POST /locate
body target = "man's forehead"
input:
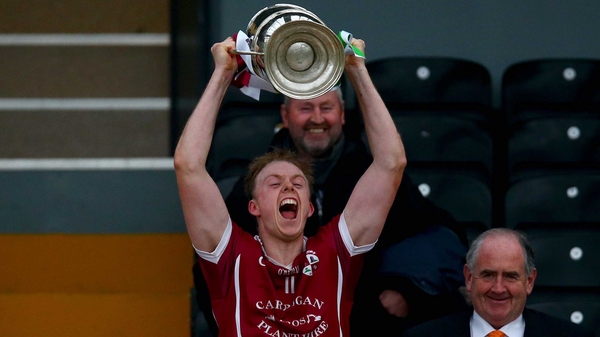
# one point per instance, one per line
(330, 97)
(515, 270)
(500, 253)
(280, 168)
(504, 266)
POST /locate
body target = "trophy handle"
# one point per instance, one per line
(247, 52)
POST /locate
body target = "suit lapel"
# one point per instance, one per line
(464, 328)
(533, 325)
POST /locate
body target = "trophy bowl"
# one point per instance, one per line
(295, 51)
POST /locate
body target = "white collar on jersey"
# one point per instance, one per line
(257, 238)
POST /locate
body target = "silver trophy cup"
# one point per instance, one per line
(295, 51)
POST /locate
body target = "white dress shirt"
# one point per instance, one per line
(480, 327)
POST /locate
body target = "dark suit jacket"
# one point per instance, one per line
(536, 324)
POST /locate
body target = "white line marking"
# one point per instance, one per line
(31, 164)
(85, 103)
(141, 39)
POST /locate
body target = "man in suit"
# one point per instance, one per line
(499, 275)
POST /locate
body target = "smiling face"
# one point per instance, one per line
(281, 201)
(315, 125)
(498, 283)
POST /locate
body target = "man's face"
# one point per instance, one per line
(498, 285)
(281, 201)
(315, 125)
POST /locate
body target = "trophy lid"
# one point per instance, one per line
(261, 16)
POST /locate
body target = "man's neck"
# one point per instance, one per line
(281, 252)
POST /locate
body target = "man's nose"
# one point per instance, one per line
(498, 285)
(288, 186)
(317, 116)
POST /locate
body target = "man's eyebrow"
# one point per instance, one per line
(296, 176)
(279, 176)
(512, 273)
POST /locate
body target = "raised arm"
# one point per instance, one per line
(204, 209)
(374, 193)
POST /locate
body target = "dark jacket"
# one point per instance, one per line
(537, 324)
(410, 214)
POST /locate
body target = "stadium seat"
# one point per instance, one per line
(433, 81)
(575, 305)
(566, 256)
(442, 108)
(558, 210)
(552, 109)
(553, 196)
(546, 87)
(464, 193)
(448, 139)
(565, 141)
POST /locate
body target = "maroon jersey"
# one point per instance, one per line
(252, 295)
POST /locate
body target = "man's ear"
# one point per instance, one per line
(468, 277)
(531, 281)
(253, 208)
(311, 209)
(284, 115)
(343, 116)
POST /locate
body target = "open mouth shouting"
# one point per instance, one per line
(288, 208)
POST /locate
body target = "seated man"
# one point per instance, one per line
(499, 276)
(279, 282)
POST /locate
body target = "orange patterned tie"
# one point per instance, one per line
(496, 333)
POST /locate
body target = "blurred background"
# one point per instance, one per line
(94, 95)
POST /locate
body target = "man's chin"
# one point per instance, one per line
(320, 150)
(291, 232)
(290, 236)
(498, 314)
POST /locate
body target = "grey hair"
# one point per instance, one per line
(338, 90)
(528, 255)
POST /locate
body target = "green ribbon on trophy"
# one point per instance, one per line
(346, 39)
